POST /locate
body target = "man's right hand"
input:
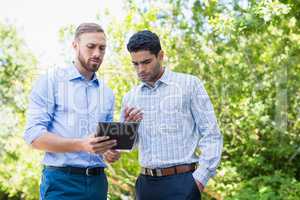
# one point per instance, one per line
(97, 145)
(133, 114)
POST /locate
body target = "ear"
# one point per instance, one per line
(160, 55)
(75, 44)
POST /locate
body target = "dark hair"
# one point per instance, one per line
(88, 28)
(144, 40)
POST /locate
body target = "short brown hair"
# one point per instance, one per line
(88, 28)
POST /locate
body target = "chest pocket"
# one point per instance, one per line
(173, 100)
(171, 104)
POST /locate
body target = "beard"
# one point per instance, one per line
(87, 64)
(156, 74)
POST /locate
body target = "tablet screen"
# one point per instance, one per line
(125, 133)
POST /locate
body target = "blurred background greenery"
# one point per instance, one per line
(246, 52)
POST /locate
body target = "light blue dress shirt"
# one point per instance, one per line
(64, 103)
(178, 119)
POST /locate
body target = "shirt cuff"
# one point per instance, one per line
(202, 175)
(33, 133)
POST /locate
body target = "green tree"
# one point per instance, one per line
(18, 164)
(246, 54)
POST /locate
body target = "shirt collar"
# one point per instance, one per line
(166, 77)
(73, 74)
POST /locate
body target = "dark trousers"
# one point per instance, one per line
(175, 187)
(59, 185)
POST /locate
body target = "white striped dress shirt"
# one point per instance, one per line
(178, 119)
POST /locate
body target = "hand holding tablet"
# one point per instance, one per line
(124, 133)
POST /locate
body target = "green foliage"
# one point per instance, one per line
(20, 169)
(15, 62)
(122, 176)
(278, 186)
(247, 56)
(19, 165)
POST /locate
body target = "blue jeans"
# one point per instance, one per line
(59, 185)
(175, 187)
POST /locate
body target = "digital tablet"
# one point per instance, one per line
(125, 133)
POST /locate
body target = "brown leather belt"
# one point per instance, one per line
(179, 169)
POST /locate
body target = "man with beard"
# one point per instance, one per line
(178, 121)
(65, 106)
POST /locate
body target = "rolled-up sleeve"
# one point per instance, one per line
(40, 109)
(211, 142)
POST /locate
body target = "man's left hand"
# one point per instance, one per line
(112, 156)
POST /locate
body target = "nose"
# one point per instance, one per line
(141, 68)
(97, 53)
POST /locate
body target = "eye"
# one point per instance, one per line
(146, 62)
(135, 64)
(90, 46)
(102, 48)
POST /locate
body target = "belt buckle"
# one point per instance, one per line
(151, 172)
(87, 171)
(159, 172)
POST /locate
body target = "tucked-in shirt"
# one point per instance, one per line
(178, 119)
(64, 103)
